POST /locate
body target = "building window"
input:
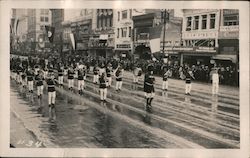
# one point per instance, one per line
(212, 21)
(124, 32)
(189, 22)
(41, 27)
(118, 16)
(204, 22)
(105, 22)
(108, 21)
(129, 32)
(118, 33)
(124, 14)
(230, 20)
(196, 23)
(111, 21)
(42, 19)
(130, 13)
(46, 19)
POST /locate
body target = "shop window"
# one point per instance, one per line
(189, 22)
(124, 14)
(204, 22)
(212, 21)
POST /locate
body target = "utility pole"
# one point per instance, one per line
(165, 18)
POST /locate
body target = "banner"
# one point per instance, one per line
(50, 33)
(155, 41)
(72, 39)
(155, 45)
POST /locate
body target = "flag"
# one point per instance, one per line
(50, 32)
(155, 38)
(72, 39)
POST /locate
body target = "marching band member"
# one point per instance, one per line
(81, 78)
(109, 74)
(71, 78)
(189, 75)
(137, 73)
(103, 87)
(118, 76)
(166, 75)
(39, 83)
(60, 75)
(51, 96)
(30, 78)
(149, 88)
(96, 71)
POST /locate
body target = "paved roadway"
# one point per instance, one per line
(178, 121)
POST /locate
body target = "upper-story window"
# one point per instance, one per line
(118, 33)
(46, 19)
(130, 13)
(189, 22)
(124, 32)
(212, 21)
(124, 14)
(204, 22)
(118, 15)
(196, 23)
(129, 32)
(230, 20)
(42, 19)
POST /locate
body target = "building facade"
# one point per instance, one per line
(228, 37)
(200, 32)
(37, 20)
(101, 42)
(79, 23)
(208, 35)
(57, 16)
(124, 31)
(151, 24)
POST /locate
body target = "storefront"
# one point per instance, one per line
(193, 55)
(101, 47)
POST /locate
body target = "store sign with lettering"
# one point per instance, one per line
(199, 35)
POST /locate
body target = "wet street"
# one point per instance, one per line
(177, 120)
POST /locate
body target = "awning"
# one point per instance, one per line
(232, 58)
(104, 37)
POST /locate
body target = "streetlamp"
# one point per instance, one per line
(164, 19)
